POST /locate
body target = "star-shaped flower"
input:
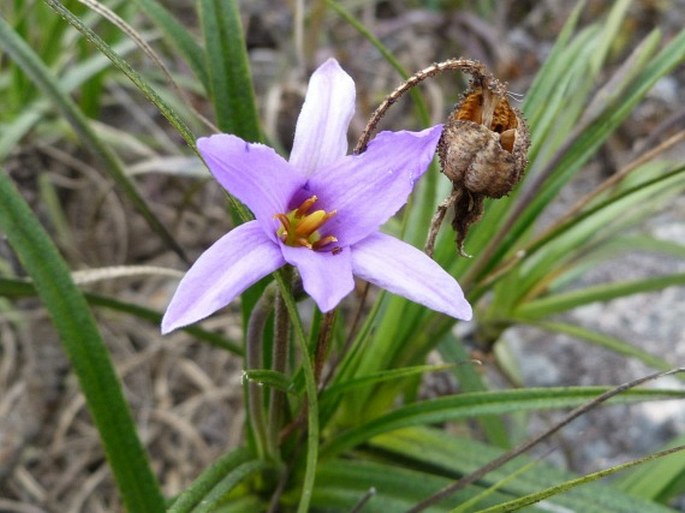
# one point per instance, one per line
(320, 212)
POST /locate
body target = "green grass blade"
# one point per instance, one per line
(209, 478)
(14, 131)
(34, 112)
(20, 288)
(614, 113)
(545, 81)
(229, 71)
(613, 210)
(270, 378)
(533, 498)
(396, 488)
(217, 495)
(86, 350)
(179, 36)
(568, 161)
(561, 302)
(568, 243)
(599, 339)
(475, 404)
(331, 393)
(421, 108)
(466, 506)
(448, 455)
(125, 68)
(25, 57)
(246, 504)
(610, 29)
(660, 480)
(470, 380)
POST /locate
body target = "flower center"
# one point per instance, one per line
(300, 227)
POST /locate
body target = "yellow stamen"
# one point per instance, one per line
(305, 206)
(303, 242)
(312, 222)
(300, 227)
(285, 222)
(325, 241)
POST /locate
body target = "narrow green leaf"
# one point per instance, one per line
(27, 59)
(125, 68)
(475, 404)
(533, 498)
(229, 72)
(549, 260)
(218, 494)
(470, 380)
(610, 29)
(209, 478)
(20, 288)
(394, 488)
(613, 344)
(615, 87)
(553, 68)
(179, 36)
(581, 148)
(82, 71)
(421, 108)
(605, 122)
(660, 480)
(331, 393)
(86, 350)
(246, 504)
(448, 455)
(464, 507)
(270, 378)
(615, 247)
(563, 103)
(566, 301)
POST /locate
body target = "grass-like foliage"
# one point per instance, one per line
(338, 416)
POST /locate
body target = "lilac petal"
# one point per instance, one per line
(321, 132)
(367, 189)
(233, 263)
(253, 173)
(402, 269)
(326, 277)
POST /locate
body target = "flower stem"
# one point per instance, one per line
(254, 360)
(278, 364)
(312, 397)
(323, 342)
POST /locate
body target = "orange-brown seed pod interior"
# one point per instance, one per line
(491, 110)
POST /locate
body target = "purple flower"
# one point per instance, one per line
(319, 212)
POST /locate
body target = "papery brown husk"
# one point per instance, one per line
(482, 150)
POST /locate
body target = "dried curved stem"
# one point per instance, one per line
(466, 65)
(438, 218)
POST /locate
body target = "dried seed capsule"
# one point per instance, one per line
(482, 151)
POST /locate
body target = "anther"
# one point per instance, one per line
(285, 222)
(305, 206)
(324, 241)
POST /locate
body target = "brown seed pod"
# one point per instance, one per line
(482, 150)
